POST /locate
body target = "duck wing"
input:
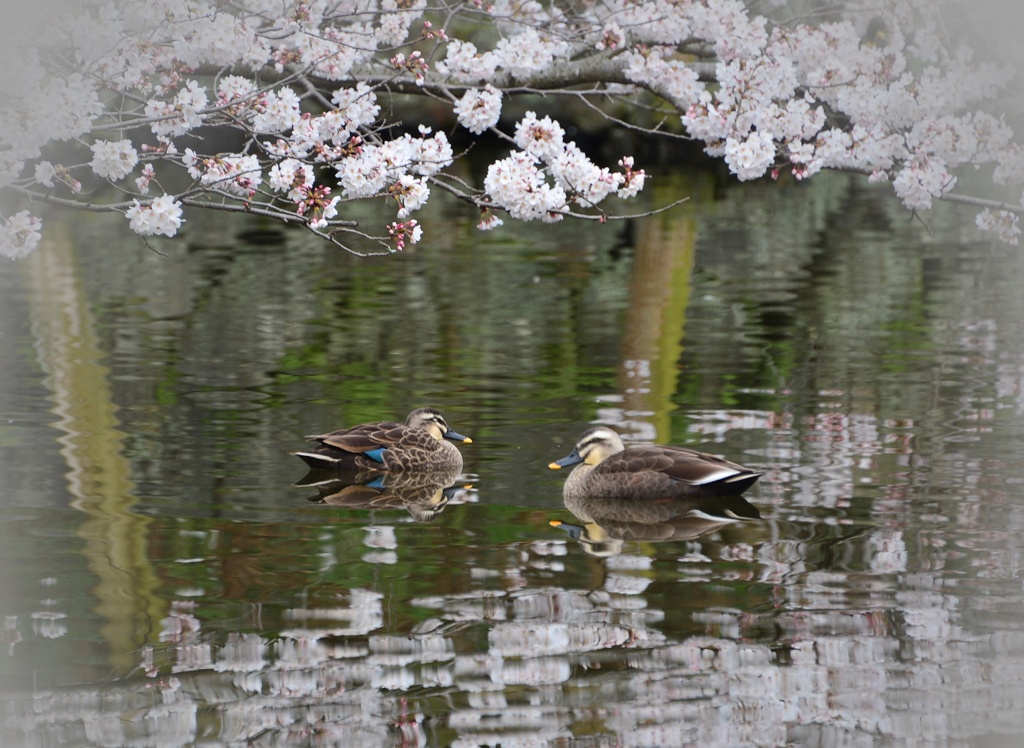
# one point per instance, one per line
(646, 471)
(703, 469)
(366, 437)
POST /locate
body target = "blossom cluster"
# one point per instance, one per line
(159, 216)
(302, 99)
(519, 184)
(479, 110)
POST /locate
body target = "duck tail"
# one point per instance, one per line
(737, 508)
(323, 462)
(739, 483)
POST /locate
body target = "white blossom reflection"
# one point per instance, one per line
(852, 659)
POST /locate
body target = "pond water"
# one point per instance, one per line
(164, 582)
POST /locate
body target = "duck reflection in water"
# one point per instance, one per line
(424, 494)
(649, 492)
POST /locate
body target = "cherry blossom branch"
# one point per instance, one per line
(294, 100)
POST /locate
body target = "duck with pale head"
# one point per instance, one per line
(697, 483)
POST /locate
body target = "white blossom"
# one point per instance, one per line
(291, 177)
(236, 174)
(464, 63)
(519, 186)
(1010, 165)
(329, 211)
(277, 112)
(113, 160)
(529, 52)
(395, 22)
(331, 51)
(364, 174)
(205, 36)
(633, 180)
(235, 88)
(907, 108)
(575, 173)
(44, 173)
(432, 154)
(411, 194)
(159, 216)
(540, 138)
(142, 182)
(921, 179)
(674, 78)
(70, 105)
(750, 158)
(20, 234)
(1003, 223)
(479, 110)
(358, 105)
(182, 114)
(489, 221)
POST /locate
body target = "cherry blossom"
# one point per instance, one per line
(45, 173)
(633, 180)
(920, 180)
(410, 192)
(19, 234)
(304, 103)
(318, 205)
(113, 160)
(402, 233)
(479, 110)
(182, 114)
(488, 220)
(578, 176)
(358, 105)
(751, 157)
(1004, 224)
(520, 187)
(540, 138)
(238, 175)
(159, 216)
(291, 177)
(464, 63)
(143, 181)
(278, 112)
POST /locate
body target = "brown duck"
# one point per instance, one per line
(423, 442)
(608, 470)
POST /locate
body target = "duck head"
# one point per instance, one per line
(592, 447)
(431, 420)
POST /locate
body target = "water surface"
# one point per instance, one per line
(164, 582)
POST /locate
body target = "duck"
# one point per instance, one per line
(423, 442)
(606, 469)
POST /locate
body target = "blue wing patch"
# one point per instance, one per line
(377, 455)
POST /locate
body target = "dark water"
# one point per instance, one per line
(165, 583)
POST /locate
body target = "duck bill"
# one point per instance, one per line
(573, 459)
(573, 531)
(457, 437)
